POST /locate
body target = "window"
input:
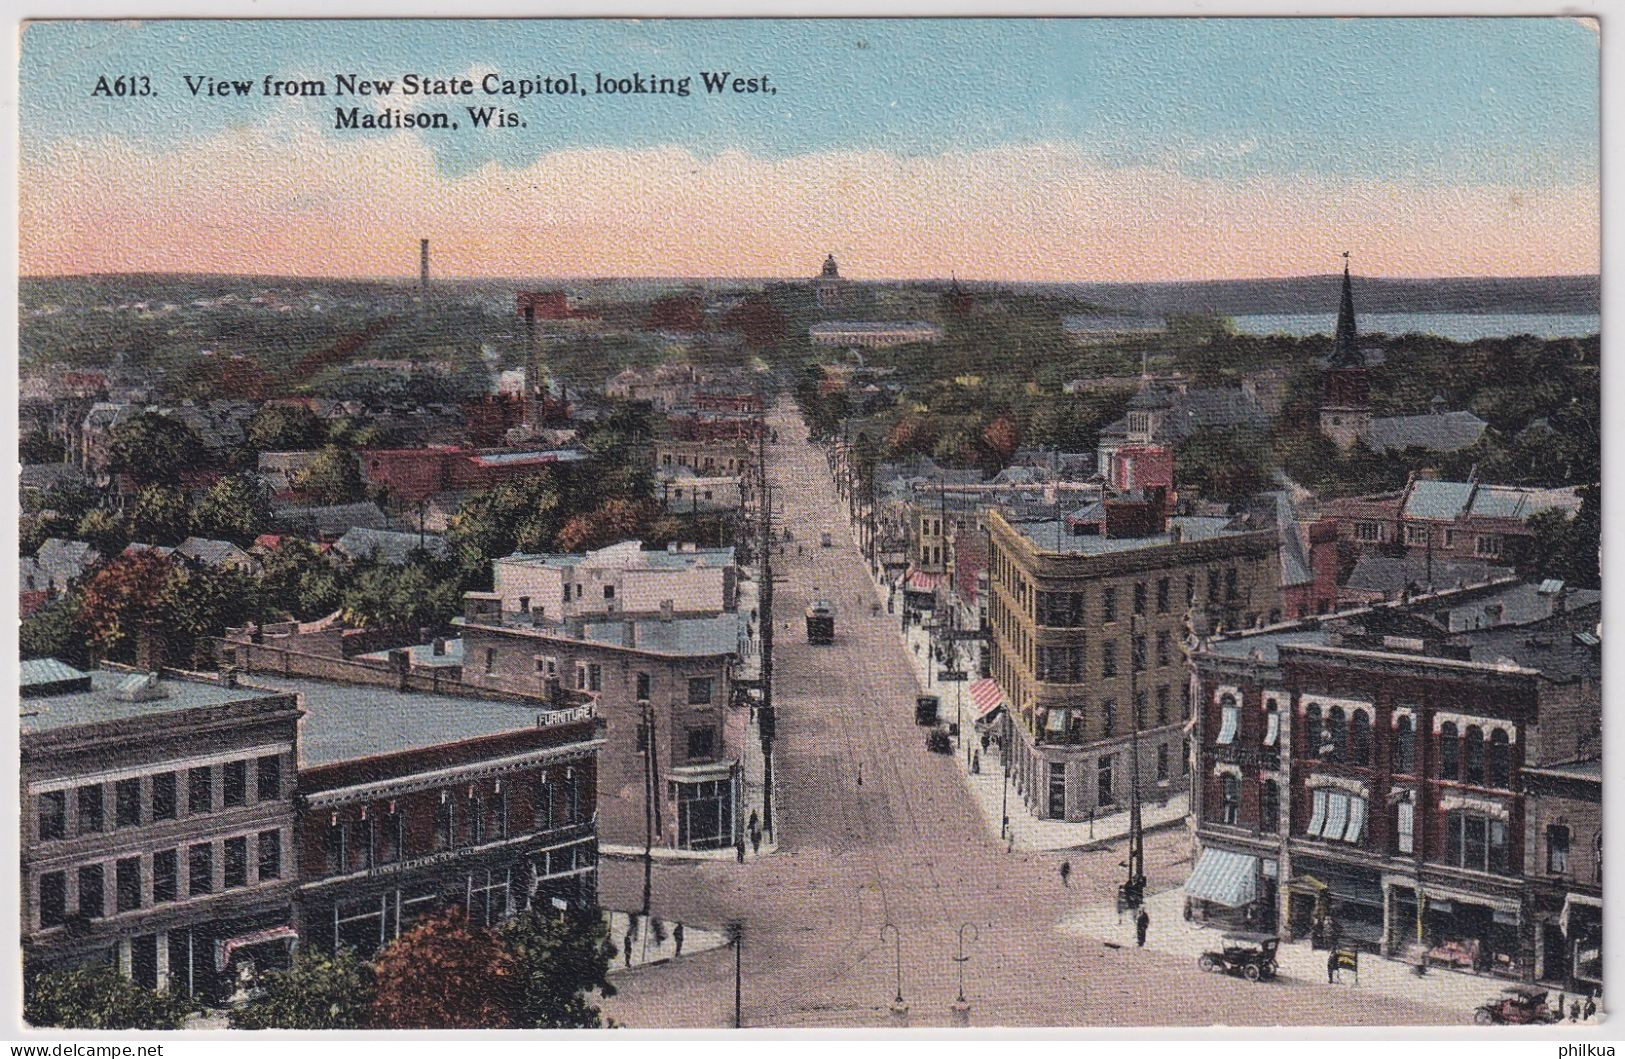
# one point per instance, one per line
(1360, 739)
(53, 815)
(1337, 815)
(200, 869)
(1139, 710)
(1108, 718)
(1476, 842)
(1061, 665)
(1061, 610)
(89, 800)
(1317, 818)
(234, 783)
(1137, 652)
(490, 659)
(1190, 589)
(1367, 531)
(1163, 652)
(475, 812)
(699, 691)
(1311, 730)
(236, 862)
(1162, 704)
(1355, 830)
(609, 591)
(1108, 604)
(92, 901)
(1557, 849)
(1162, 763)
(1103, 779)
(199, 790)
(1500, 770)
(127, 884)
(1229, 720)
(524, 604)
(1336, 738)
(268, 778)
(595, 677)
(53, 899)
(1449, 752)
(1269, 805)
(445, 821)
(1415, 534)
(1472, 744)
(1272, 723)
(645, 687)
(336, 846)
(1229, 798)
(1404, 746)
(270, 855)
(1139, 597)
(164, 872)
(1057, 791)
(542, 804)
(496, 813)
(701, 743)
(163, 796)
(1213, 586)
(1487, 546)
(359, 844)
(391, 835)
(1108, 658)
(1162, 596)
(1405, 827)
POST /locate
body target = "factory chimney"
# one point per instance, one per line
(423, 263)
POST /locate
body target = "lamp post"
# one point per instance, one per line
(736, 931)
(959, 1011)
(899, 1010)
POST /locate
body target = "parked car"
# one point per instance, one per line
(938, 742)
(1250, 956)
(1518, 1005)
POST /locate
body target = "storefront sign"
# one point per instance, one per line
(570, 716)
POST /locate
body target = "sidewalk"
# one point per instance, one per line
(1301, 967)
(651, 940)
(987, 786)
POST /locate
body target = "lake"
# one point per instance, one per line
(1460, 327)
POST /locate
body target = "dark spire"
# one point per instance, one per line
(1346, 350)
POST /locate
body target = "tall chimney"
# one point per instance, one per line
(423, 263)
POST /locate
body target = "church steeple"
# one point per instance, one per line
(1346, 349)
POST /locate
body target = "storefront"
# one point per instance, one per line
(1582, 928)
(706, 796)
(1455, 929)
(1336, 902)
(1233, 889)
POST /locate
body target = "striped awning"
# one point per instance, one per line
(985, 696)
(920, 581)
(1225, 878)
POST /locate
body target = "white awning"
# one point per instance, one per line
(1227, 728)
(1356, 820)
(1571, 899)
(1225, 878)
(1273, 730)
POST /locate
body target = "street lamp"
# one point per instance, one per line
(899, 1010)
(736, 932)
(960, 1009)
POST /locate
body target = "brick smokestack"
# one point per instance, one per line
(423, 263)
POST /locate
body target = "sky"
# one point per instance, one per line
(1083, 149)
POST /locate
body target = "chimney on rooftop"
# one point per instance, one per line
(667, 610)
(423, 263)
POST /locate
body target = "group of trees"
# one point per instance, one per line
(539, 970)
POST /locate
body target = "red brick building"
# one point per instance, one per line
(417, 474)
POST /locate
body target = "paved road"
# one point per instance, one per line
(906, 846)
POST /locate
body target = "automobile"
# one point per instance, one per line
(821, 622)
(938, 742)
(823, 540)
(1518, 1005)
(1250, 956)
(925, 709)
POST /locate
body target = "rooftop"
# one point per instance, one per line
(627, 555)
(1440, 432)
(343, 722)
(46, 713)
(1048, 535)
(423, 655)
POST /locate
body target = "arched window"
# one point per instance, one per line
(1472, 746)
(1449, 752)
(1500, 774)
(1337, 734)
(1404, 746)
(1311, 730)
(1360, 739)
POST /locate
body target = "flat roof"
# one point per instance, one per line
(680, 636)
(343, 722)
(1048, 535)
(46, 713)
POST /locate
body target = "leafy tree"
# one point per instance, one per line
(524, 515)
(200, 601)
(56, 630)
(296, 579)
(319, 992)
(1223, 464)
(121, 598)
(1001, 438)
(913, 433)
(152, 448)
(401, 597)
(613, 521)
(332, 477)
(1567, 548)
(445, 974)
(39, 446)
(160, 515)
(560, 961)
(103, 530)
(758, 320)
(285, 428)
(99, 998)
(235, 509)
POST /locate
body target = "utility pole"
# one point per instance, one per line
(737, 930)
(766, 720)
(1133, 891)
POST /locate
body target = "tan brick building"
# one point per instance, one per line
(1087, 631)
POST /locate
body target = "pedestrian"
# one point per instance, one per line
(1142, 923)
(1066, 873)
(984, 741)
(755, 821)
(1574, 1010)
(739, 848)
(755, 841)
(626, 947)
(1331, 967)
(1591, 1007)
(860, 774)
(677, 938)
(976, 763)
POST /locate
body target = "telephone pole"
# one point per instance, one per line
(766, 721)
(1133, 892)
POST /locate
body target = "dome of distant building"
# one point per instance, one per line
(830, 271)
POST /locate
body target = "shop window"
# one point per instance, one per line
(163, 796)
(488, 895)
(1500, 760)
(53, 899)
(1472, 745)
(89, 803)
(1449, 752)
(1557, 849)
(92, 900)
(1404, 746)
(1229, 799)
(127, 884)
(53, 815)
(705, 814)
(1229, 720)
(1360, 739)
(1105, 771)
(165, 874)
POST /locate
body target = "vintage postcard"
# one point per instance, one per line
(809, 524)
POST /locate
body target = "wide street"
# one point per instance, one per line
(876, 830)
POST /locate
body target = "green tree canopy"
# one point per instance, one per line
(560, 961)
(99, 998)
(103, 530)
(236, 508)
(1223, 464)
(56, 630)
(319, 992)
(285, 428)
(153, 448)
(445, 974)
(160, 515)
(333, 477)
(524, 515)
(406, 597)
